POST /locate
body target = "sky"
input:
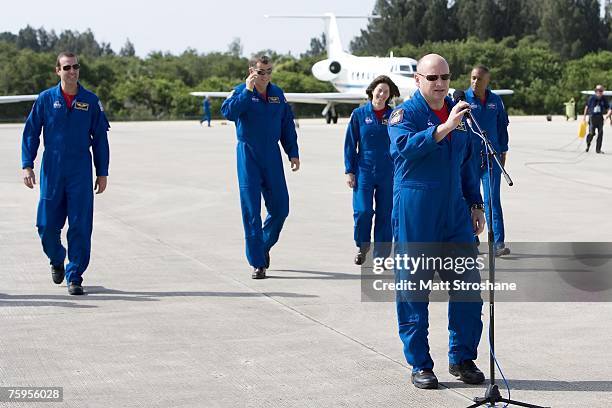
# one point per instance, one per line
(180, 24)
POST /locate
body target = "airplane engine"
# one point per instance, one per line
(326, 70)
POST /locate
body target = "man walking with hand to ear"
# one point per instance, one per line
(263, 118)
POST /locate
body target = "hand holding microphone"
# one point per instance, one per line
(454, 119)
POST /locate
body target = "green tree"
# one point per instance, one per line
(318, 47)
(128, 49)
(586, 72)
(28, 38)
(478, 18)
(235, 48)
(572, 27)
(400, 22)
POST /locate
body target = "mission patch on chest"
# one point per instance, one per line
(81, 106)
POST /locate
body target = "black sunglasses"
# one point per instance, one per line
(75, 67)
(264, 71)
(432, 78)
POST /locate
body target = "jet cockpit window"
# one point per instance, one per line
(407, 70)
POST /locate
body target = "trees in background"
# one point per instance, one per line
(546, 51)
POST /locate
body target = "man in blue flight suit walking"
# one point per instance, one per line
(263, 117)
(488, 110)
(206, 107)
(73, 121)
(435, 187)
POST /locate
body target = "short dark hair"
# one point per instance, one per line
(383, 79)
(482, 68)
(264, 59)
(64, 54)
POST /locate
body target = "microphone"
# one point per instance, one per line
(459, 95)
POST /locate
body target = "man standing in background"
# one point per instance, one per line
(597, 108)
(488, 110)
(206, 108)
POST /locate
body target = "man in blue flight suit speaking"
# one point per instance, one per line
(263, 117)
(488, 110)
(434, 188)
(74, 122)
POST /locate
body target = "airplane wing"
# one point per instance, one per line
(17, 98)
(211, 94)
(451, 91)
(606, 93)
(321, 98)
(502, 91)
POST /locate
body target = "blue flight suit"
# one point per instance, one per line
(260, 124)
(366, 155)
(206, 117)
(433, 187)
(66, 180)
(492, 118)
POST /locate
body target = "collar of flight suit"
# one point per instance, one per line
(57, 93)
(369, 110)
(470, 93)
(268, 89)
(423, 106)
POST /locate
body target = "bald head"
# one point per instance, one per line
(429, 80)
(431, 62)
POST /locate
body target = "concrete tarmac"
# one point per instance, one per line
(172, 317)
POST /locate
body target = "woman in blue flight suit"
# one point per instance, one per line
(369, 168)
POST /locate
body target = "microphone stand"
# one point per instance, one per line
(492, 394)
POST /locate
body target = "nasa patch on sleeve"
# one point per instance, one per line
(396, 117)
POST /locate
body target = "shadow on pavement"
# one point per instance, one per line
(97, 293)
(540, 385)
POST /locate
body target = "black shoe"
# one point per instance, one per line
(360, 258)
(361, 255)
(502, 251)
(57, 273)
(267, 260)
(259, 273)
(467, 372)
(588, 147)
(425, 379)
(600, 152)
(75, 289)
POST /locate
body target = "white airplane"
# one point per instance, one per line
(350, 74)
(17, 98)
(606, 93)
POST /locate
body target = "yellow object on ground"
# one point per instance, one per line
(582, 128)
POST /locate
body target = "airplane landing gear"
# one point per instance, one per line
(330, 114)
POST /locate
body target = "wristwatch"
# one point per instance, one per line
(477, 206)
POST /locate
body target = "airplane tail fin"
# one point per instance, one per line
(332, 35)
